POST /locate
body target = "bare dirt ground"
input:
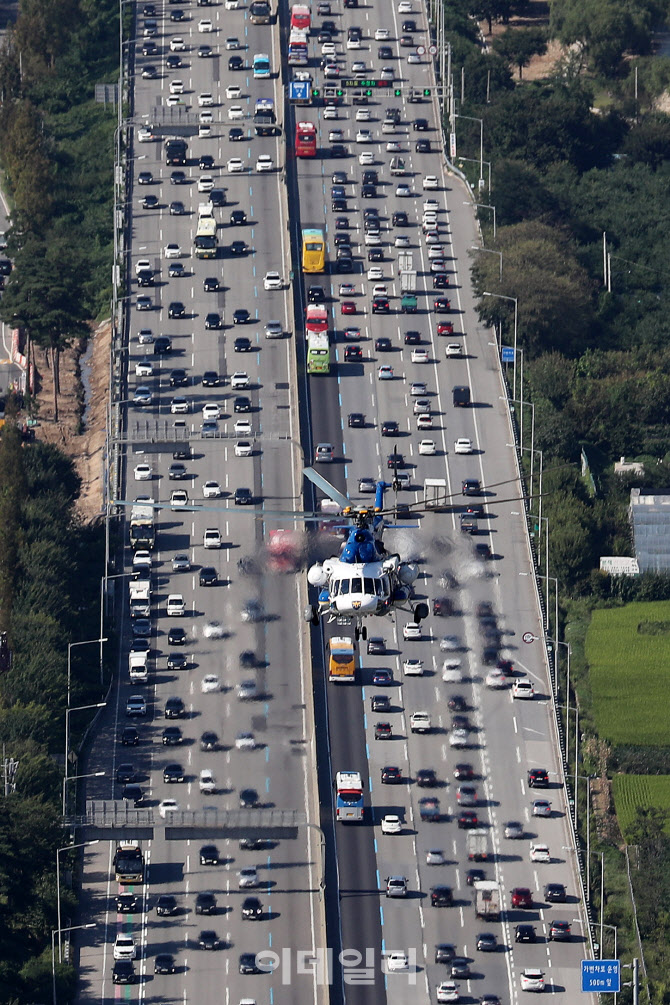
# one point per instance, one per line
(537, 16)
(84, 445)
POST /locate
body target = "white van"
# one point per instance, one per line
(138, 668)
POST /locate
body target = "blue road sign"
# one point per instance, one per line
(508, 354)
(601, 975)
(299, 90)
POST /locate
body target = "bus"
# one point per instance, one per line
(305, 139)
(261, 65)
(129, 863)
(313, 251)
(206, 242)
(301, 17)
(349, 805)
(260, 12)
(316, 319)
(298, 48)
(341, 660)
(318, 352)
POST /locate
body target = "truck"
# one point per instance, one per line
(265, 120)
(341, 662)
(349, 796)
(140, 598)
(408, 304)
(129, 862)
(477, 843)
(175, 151)
(435, 494)
(487, 900)
(138, 669)
(142, 532)
(398, 166)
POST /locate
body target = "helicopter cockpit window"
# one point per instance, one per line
(344, 586)
(379, 587)
(386, 586)
(369, 584)
(335, 588)
(357, 585)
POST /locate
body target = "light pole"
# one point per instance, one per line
(587, 779)
(67, 847)
(482, 205)
(54, 932)
(473, 160)
(75, 778)
(70, 647)
(68, 711)
(515, 300)
(490, 251)
(554, 580)
(557, 642)
(481, 144)
(575, 709)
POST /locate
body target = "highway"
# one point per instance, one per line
(507, 737)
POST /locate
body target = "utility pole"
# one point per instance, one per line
(636, 981)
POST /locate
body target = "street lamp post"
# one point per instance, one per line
(68, 711)
(67, 847)
(75, 778)
(482, 205)
(575, 709)
(70, 647)
(481, 144)
(491, 251)
(515, 300)
(587, 779)
(474, 160)
(54, 932)
(557, 642)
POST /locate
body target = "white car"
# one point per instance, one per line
(272, 281)
(431, 206)
(450, 644)
(447, 991)
(167, 806)
(211, 410)
(233, 91)
(411, 631)
(205, 100)
(435, 856)
(364, 136)
(205, 183)
(142, 561)
(381, 34)
(417, 388)
(424, 421)
(239, 380)
(144, 135)
(376, 272)
(212, 538)
(463, 445)
(451, 671)
(393, 147)
(539, 853)
(401, 241)
(209, 683)
(420, 356)
(391, 824)
(124, 947)
(211, 490)
(403, 191)
(264, 163)
(143, 368)
(458, 738)
(436, 251)
(179, 497)
(245, 741)
(235, 165)
(243, 448)
(330, 112)
(523, 689)
(454, 349)
(235, 113)
(362, 115)
(328, 49)
(141, 264)
(426, 447)
(142, 472)
(232, 43)
(385, 372)
(179, 406)
(413, 57)
(177, 44)
(404, 7)
(430, 181)
(413, 667)
(172, 250)
(176, 87)
(532, 979)
(397, 961)
(204, 131)
(145, 336)
(242, 427)
(214, 630)
(205, 118)
(496, 680)
(387, 73)
(366, 157)
(173, 100)
(207, 781)
(204, 24)
(142, 396)
(176, 607)
(421, 406)
(247, 877)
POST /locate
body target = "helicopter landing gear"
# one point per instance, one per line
(311, 614)
(420, 612)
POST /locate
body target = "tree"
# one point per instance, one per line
(606, 29)
(490, 11)
(649, 142)
(517, 46)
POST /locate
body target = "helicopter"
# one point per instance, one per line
(364, 579)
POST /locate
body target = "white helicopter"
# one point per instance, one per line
(365, 579)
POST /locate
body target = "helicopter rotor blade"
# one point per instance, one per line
(322, 483)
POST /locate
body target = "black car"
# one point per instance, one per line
(177, 472)
(173, 772)
(247, 964)
(444, 952)
(145, 277)
(127, 903)
(538, 778)
(422, 147)
(353, 353)
(400, 219)
(129, 736)
(140, 645)
(473, 876)
(166, 905)
(149, 48)
(464, 772)
(457, 703)
(211, 284)
(460, 967)
(380, 305)
(441, 896)
(339, 205)
(338, 150)
(380, 703)
(252, 909)
(391, 775)
(344, 265)
(235, 134)
(341, 223)
(235, 63)
(240, 317)
(341, 239)
(385, 52)
(145, 178)
(369, 192)
(208, 939)
(178, 378)
(524, 933)
(337, 191)
(389, 427)
(370, 177)
(426, 778)
(177, 208)
(212, 321)
(440, 280)
(209, 740)
(243, 497)
(208, 576)
(175, 310)
(205, 162)
(217, 196)
(375, 254)
(177, 177)
(238, 217)
(150, 202)
(204, 51)
(376, 646)
(209, 855)
(344, 250)
(125, 773)
(123, 972)
(317, 294)
(554, 893)
(173, 61)
(238, 247)
(205, 903)
(471, 487)
(210, 378)
(324, 36)
(177, 15)
(164, 964)
(356, 420)
(395, 461)
(172, 736)
(174, 707)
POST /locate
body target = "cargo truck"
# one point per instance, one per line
(140, 598)
(477, 842)
(265, 120)
(487, 900)
(142, 533)
(341, 662)
(435, 494)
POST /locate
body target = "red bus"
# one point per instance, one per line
(305, 139)
(301, 17)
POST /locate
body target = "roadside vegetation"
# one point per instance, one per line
(580, 154)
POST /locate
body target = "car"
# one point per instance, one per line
(468, 819)
(177, 44)
(411, 631)
(367, 485)
(541, 808)
(522, 897)
(241, 316)
(539, 852)
(460, 967)
(167, 806)
(145, 178)
(245, 741)
(487, 942)
(413, 667)
(235, 165)
(513, 830)
(466, 795)
(463, 445)
(383, 731)
(441, 305)
(209, 855)
(209, 740)
(532, 979)
(420, 356)
(524, 933)
(129, 736)
(435, 856)
(136, 705)
(208, 576)
(403, 191)
(324, 453)
(488, 998)
(538, 778)
(123, 972)
(171, 736)
(559, 931)
(164, 963)
(426, 778)
(353, 353)
(391, 775)
(385, 372)
(397, 961)
(177, 636)
(173, 772)
(126, 903)
(213, 321)
(382, 677)
(125, 773)
(380, 703)
(174, 708)
(265, 163)
(555, 893)
(390, 427)
(247, 964)
(242, 403)
(441, 896)
(143, 472)
(523, 688)
(208, 939)
(177, 661)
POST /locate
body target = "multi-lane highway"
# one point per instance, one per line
(506, 737)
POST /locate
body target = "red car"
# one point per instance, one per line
(441, 305)
(522, 897)
(467, 818)
(445, 328)
(347, 307)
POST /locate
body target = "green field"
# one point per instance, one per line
(630, 673)
(631, 791)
